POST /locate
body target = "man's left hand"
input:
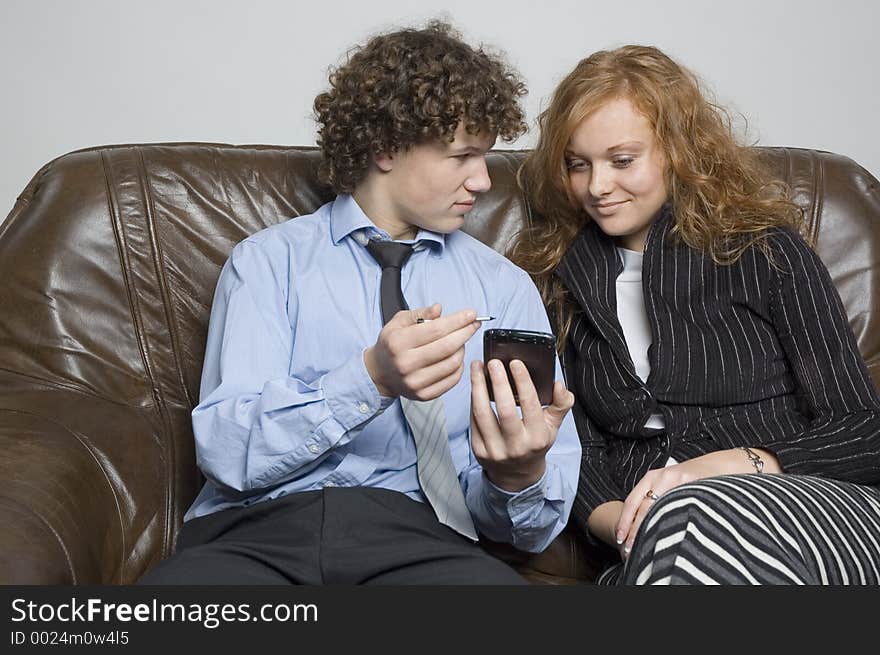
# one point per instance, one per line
(511, 449)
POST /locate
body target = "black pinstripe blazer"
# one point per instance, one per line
(753, 354)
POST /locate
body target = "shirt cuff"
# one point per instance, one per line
(351, 395)
(522, 507)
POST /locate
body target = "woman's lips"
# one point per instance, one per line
(609, 207)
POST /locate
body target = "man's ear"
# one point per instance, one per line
(384, 161)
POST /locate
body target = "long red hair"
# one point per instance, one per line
(722, 196)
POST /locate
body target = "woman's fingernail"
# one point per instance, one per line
(619, 538)
(627, 548)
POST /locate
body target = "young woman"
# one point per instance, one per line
(730, 429)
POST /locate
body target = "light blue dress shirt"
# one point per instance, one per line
(286, 402)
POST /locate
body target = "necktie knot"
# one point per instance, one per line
(389, 254)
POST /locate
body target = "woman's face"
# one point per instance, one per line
(617, 172)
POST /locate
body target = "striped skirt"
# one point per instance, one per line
(757, 529)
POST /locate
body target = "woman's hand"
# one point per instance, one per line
(603, 520)
(657, 482)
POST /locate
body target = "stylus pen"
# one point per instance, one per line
(478, 318)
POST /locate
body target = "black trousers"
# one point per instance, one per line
(333, 536)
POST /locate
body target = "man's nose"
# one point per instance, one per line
(478, 181)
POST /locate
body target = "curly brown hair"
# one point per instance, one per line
(723, 198)
(406, 88)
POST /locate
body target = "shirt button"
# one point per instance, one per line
(363, 408)
(313, 448)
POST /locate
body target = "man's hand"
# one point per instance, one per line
(420, 361)
(511, 449)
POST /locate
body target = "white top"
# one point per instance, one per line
(634, 319)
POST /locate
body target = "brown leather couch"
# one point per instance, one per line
(108, 263)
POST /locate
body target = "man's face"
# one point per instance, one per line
(433, 185)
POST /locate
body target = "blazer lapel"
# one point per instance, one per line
(589, 270)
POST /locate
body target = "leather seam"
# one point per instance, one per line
(130, 291)
(60, 386)
(143, 345)
(170, 451)
(816, 209)
(159, 263)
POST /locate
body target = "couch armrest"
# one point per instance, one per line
(59, 506)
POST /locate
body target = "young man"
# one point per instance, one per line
(317, 427)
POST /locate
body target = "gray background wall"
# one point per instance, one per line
(78, 73)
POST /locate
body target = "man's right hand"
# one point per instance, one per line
(420, 361)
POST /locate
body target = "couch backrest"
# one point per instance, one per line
(110, 256)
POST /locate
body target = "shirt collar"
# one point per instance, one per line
(347, 217)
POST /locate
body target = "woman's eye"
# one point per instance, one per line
(623, 162)
(576, 165)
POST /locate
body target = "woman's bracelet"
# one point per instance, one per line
(754, 458)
